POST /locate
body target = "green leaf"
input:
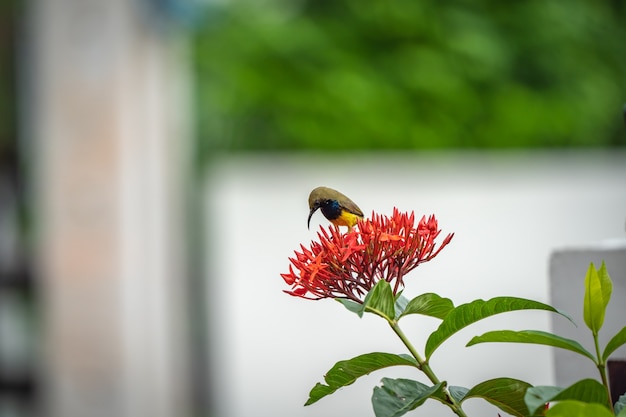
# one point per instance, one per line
(352, 306)
(397, 397)
(458, 393)
(429, 304)
(467, 314)
(346, 372)
(532, 336)
(618, 340)
(505, 393)
(598, 288)
(538, 397)
(400, 305)
(578, 409)
(380, 300)
(586, 390)
(620, 405)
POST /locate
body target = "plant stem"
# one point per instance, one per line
(425, 367)
(602, 369)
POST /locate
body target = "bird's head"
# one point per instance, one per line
(320, 197)
(333, 205)
(317, 204)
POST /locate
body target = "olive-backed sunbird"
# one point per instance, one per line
(336, 207)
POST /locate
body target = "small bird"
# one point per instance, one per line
(336, 207)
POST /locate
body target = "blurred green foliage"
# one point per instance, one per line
(405, 74)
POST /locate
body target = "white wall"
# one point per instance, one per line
(508, 212)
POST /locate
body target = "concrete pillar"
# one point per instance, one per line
(107, 117)
(567, 273)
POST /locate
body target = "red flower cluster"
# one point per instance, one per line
(349, 265)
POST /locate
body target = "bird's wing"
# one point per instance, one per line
(349, 205)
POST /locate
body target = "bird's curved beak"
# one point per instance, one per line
(313, 210)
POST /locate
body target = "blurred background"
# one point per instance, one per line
(156, 157)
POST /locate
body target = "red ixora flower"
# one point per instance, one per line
(349, 265)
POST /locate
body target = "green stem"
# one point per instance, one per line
(602, 369)
(425, 367)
